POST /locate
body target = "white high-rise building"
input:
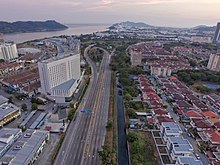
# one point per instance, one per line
(60, 76)
(8, 51)
(217, 34)
(214, 62)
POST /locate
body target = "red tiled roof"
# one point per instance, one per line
(150, 120)
(200, 104)
(183, 104)
(214, 136)
(217, 125)
(179, 112)
(160, 111)
(162, 119)
(193, 114)
(201, 123)
(210, 114)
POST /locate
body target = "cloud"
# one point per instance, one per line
(100, 5)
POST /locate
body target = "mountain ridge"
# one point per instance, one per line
(30, 26)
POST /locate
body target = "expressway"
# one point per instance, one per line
(86, 133)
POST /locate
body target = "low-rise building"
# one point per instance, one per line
(8, 112)
(27, 148)
(178, 146)
(6, 67)
(200, 124)
(7, 138)
(170, 129)
(188, 160)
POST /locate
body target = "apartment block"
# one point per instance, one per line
(8, 51)
(214, 62)
(59, 76)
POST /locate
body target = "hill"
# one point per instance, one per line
(204, 28)
(130, 24)
(30, 26)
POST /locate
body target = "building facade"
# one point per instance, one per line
(214, 62)
(60, 76)
(8, 51)
(217, 34)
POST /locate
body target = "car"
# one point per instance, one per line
(197, 156)
(189, 134)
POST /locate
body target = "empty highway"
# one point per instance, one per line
(86, 133)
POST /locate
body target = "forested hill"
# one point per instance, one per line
(30, 26)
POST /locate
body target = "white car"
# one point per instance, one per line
(197, 156)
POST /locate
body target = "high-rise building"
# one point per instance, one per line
(1, 38)
(217, 34)
(8, 51)
(60, 76)
(214, 62)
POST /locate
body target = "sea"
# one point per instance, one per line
(73, 29)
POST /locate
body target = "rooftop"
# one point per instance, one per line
(3, 100)
(171, 128)
(7, 109)
(59, 57)
(180, 144)
(25, 147)
(210, 114)
(7, 135)
(65, 86)
(188, 160)
(193, 114)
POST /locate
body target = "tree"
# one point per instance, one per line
(128, 97)
(192, 63)
(131, 113)
(10, 99)
(34, 106)
(109, 125)
(132, 137)
(24, 107)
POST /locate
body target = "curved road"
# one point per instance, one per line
(86, 133)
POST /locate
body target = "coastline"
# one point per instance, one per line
(74, 29)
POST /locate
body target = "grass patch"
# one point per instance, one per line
(57, 148)
(109, 153)
(142, 149)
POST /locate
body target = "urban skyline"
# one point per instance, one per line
(175, 13)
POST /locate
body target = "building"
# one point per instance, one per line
(217, 34)
(178, 146)
(1, 38)
(170, 129)
(136, 58)
(8, 51)
(8, 112)
(60, 76)
(188, 160)
(160, 71)
(7, 138)
(26, 149)
(9, 67)
(201, 39)
(214, 62)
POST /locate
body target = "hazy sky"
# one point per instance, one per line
(178, 13)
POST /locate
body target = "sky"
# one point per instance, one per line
(175, 13)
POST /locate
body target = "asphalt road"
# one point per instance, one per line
(86, 133)
(122, 141)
